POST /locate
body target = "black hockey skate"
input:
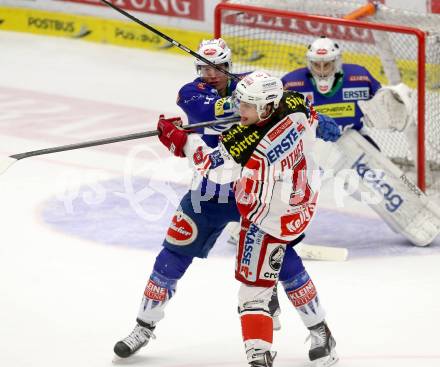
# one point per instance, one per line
(263, 359)
(138, 338)
(322, 350)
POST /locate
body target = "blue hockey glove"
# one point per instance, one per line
(328, 129)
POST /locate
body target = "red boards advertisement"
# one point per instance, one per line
(189, 9)
(435, 6)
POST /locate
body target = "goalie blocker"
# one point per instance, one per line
(383, 186)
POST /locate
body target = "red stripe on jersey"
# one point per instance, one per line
(264, 193)
(207, 162)
(257, 326)
(259, 165)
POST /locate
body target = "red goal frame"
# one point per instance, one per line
(421, 58)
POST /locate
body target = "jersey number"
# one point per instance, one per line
(301, 189)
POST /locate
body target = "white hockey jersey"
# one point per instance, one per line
(276, 178)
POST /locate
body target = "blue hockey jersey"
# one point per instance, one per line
(354, 84)
(201, 102)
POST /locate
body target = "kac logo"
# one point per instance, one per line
(276, 258)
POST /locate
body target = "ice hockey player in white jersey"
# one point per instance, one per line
(269, 157)
(206, 208)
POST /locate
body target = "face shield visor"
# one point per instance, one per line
(208, 71)
(324, 74)
(323, 69)
(249, 105)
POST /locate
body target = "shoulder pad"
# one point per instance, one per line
(194, 87)
(291, 102)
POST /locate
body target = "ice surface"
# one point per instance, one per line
(81, 229)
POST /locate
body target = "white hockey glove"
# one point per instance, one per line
(392, 107)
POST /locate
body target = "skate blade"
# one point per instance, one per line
(327, 361)
(123, 360)
(117, 360)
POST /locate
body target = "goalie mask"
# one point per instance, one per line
(324, 62)
(259, 89)
(216, 51)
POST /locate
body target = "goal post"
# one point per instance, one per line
(274, 35)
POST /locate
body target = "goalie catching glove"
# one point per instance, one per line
(392, 107)
(172, 135)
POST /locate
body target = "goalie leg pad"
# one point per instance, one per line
(384, 187)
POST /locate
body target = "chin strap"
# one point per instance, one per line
(264, 121)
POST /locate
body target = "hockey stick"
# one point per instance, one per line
(326, 253)
(169, 39)
(305, 251)
(5, 163)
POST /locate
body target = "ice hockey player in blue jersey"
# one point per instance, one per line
(359, 104)
(207, 208)
(334, 88)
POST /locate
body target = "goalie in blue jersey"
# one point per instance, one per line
(358, 103)
(333, 88)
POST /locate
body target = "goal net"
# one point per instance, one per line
(274, 35)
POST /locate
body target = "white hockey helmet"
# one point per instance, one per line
(215, 50)
(324, 62)
(259, 88)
